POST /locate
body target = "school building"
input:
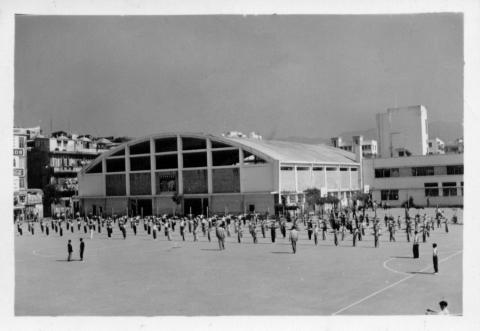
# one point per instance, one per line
(429, 179)
(204, 173)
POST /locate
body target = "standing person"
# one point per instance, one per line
(209, 228)
(134, 226)
(273, 232)
(124, 230)
(47, 229)
(82, 248)
(355, 235)
(220, 232)
(324, 229)
(435, 259)
(316, 232)
(391, 229)
(182, 229)
(239, 232)
(408, 229)
(294, 238)
(41, 226)
(376, 234)
(335, 236)
(69, 250)
(263, 227)
(309, 229)
(415, 245)
(253, 232)
(195, 231)
(60, 229)
(154, 230)
(446, 226)
(19, 228)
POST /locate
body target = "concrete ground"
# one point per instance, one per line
(145, 277)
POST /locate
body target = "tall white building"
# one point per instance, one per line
(403, 131)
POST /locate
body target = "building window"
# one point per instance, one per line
(317, 169)
(169, 161)
(331, 168)
(462, 188)
(249, 158)
(140, 163)
(423, 171)
(286, 168)
(140, 148)
(166, 181)
(120, 152)
(387, 172)
(116, 165)
(217, 144)
(343, 169)
(97, 168)
(303, 168)
(431, 189)
(455, 170)
(449, 189)
(225, 158)
(21, 142)
(353, 169)
(21, 182)
(193, 143)
(389, 194)
(194, 160)
(166, 145)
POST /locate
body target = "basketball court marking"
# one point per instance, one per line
(392, 285)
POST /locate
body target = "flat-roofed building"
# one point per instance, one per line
(429, 180)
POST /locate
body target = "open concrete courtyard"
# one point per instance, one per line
(145, 277)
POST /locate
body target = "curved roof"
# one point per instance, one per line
(287, 151)
(273, 150)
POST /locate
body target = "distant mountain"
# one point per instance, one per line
(447, 131)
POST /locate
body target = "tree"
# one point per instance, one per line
(312, 196)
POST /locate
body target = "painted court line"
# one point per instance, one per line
(392, 285)
(390, 269)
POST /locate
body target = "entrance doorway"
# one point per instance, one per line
(195, 206)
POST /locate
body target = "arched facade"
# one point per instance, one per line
(209, 174)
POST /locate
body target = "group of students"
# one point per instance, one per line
(341, 223)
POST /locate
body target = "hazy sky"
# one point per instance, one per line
(312, 76)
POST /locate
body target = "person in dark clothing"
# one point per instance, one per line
(435, 258)
(70, 250)
(82, 248)
(415, 245)
(273, 231)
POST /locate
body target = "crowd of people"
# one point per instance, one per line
(337, 225)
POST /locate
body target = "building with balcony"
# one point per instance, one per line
(203, 174)
(56, 160)
(19, 172)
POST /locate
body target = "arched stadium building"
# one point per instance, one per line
(209, 173)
